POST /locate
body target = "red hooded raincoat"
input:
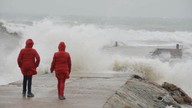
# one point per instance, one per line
(28, 59)
(61, 62)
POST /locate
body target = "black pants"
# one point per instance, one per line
(27, 80)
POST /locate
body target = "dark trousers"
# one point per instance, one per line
(61, 86)
(27, 82)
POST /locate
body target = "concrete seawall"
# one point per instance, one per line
(83, 90)
(174, 53)
(89, 90)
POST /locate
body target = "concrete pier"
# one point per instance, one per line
(83, 90)
(174, 52)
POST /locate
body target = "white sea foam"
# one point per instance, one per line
(86, 42)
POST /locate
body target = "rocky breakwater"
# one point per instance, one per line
(140, 93)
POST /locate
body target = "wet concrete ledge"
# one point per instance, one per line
(89, 90)
(83, 90)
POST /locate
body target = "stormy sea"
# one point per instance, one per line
(102, 44)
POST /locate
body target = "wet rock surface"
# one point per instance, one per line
(140, 93)
(177, 93)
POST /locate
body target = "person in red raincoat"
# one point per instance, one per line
(28, 60)
(61, 63)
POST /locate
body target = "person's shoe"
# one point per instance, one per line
(30, 95)
(62, 98)
(24, 94)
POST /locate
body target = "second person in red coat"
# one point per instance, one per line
(61, 64)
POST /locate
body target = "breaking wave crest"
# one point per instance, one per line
(151, 69)
(85, 43)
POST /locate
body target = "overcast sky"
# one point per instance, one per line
(128, 8)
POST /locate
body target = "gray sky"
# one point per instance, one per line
(128, 8)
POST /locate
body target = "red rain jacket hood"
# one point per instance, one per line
(29, 43)
(28, 59)
(61, 46)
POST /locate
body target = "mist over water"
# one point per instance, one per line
(87, 43)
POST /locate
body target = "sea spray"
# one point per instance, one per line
(151, 69)
(85, 43)
(85, 49)
(180, 75)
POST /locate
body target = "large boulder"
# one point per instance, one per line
(177, 93)
(140, 93)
